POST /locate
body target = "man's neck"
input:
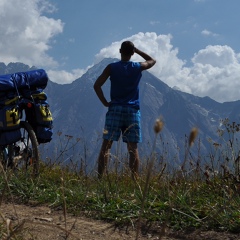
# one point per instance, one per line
(125, 58)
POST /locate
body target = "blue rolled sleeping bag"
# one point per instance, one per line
(6, 83)
(31, 79)
(24, 80)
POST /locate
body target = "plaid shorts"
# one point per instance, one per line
(125, 120)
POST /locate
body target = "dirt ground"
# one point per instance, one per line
(42, 223)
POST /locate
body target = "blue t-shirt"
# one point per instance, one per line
(125, 77)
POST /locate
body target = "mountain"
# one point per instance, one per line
(14, 67)
(79, 118)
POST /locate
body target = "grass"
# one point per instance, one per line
(189, 197)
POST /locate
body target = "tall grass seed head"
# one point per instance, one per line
(105, 131)
(193, 135)
(158, 125)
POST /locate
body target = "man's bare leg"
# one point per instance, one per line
(103, 157)
(133, 159)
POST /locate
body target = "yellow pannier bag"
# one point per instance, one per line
(9, 123)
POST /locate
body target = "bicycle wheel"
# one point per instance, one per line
(25, 152)
(4, 157)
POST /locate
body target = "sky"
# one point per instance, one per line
(196, 42)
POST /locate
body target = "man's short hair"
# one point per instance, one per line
(127, 48)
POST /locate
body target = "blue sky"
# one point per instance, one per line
(195, 42)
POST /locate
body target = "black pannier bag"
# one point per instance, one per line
(9, 122)
(40, 118)
(31, 85)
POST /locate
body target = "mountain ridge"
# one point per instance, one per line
(78, 112)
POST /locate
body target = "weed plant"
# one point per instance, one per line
(194, 195)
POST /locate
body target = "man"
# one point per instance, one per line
(123, 114)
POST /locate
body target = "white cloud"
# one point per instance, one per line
(71, 40)
(64, 77)
(154, 22)
(206, 32)
(26, 33)
(217, 56)
(214, 72)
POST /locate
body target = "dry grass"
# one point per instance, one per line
(192, 196)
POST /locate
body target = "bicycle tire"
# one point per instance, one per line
(3, 158)
(26, 158)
